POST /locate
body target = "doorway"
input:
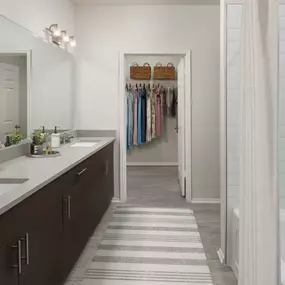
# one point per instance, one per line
(159, 152)
(14, 93)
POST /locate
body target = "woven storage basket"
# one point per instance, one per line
(164, 72)
(140, 72)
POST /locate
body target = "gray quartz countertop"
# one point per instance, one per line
(42, 171)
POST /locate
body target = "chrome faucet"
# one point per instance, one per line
(66, 139)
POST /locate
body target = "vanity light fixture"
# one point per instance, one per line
(72, 41)
(54, 30)
(65, 37)
(60, 38)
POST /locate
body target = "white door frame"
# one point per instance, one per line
(28, 54)
(122, 130)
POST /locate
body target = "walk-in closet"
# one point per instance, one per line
(154, 98)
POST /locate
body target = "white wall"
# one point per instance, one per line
(102, 31)
(281, 118)
(36, 15)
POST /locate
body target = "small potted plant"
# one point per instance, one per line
(39, 139)
(16, 136)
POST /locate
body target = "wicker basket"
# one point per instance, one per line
(164, 72)
(140, 72)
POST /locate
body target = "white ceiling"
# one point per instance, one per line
(148, 2)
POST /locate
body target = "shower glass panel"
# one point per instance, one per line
(233, 89)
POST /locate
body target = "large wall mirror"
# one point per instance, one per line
(36, 82)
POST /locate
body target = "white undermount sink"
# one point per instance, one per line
(84, 144)
(7, 184)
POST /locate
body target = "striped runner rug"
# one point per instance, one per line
(150, 246)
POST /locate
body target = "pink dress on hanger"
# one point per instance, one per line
(135, 133)
(148, 115)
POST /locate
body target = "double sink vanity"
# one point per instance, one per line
(49, 208)
(49, 204)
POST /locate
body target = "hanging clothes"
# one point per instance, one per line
(131, 118)
(146, 111)
(169, 100)
(143, 114)
(130, 122)
(135, 116)
(174, 104)
(153, 114)
(158, 115)
(148, 115)
(163, 102)
(139, 123)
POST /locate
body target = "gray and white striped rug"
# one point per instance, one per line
(150, 246)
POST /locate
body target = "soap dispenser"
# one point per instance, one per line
(8, 142)
(55, 138)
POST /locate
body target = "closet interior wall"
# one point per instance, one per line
(164, 150)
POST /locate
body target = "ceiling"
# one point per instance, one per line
(148, 2)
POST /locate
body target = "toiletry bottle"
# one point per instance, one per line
(55, 138)
(47, 151)
(8, 142)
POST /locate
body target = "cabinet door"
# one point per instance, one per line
(10, 258)
(107, 176)
(76, 229)
(41, 249)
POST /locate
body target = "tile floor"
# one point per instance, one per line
(158, 187)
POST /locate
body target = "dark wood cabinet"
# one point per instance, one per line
(9, 263)
(42, 237)
(40, 248)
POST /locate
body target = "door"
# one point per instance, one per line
(181, 125)
(9, 98)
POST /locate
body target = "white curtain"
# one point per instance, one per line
(259, 261)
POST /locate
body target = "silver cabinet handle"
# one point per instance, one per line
(69, 207)
(81, 172)
(27, 256)
(106, 167)
(19, 265)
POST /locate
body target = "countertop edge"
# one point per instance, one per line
(21, 198)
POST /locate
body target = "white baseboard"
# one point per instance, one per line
(235, 270)
(152, 164)
(221, 256)
(116, 200)
(205, 201)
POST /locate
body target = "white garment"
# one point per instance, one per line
(169, 98)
